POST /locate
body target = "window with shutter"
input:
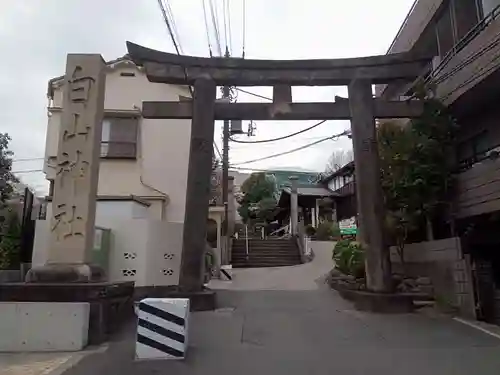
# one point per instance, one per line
(119, 137)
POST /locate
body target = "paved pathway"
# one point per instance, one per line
(280, 321)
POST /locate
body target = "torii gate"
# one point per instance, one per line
(205, 74)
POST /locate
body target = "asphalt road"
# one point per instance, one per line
(306, 328)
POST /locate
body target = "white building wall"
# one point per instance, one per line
(163, 145)
(143, 250)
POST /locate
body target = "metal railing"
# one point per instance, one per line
(285, 230)
(246, 240)
(347, 189)
(467, 38)
(468, 163)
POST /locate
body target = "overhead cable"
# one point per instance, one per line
(172, 36)
(224, 17)
(254, 94)
(170, 13)
(244, 31)
(27, 159)
(283, 137)
(230, 33)
(169, 26)
(207, 28)
(28, 171)
(346, 132)
(215, 23)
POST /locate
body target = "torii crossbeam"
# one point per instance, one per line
(359, 74)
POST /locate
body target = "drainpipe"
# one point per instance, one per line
(141, 177)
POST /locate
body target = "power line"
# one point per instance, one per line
(207, 28)
(27, 159)
(217, 150)
(174, 25)
(254, 94)
(346, 132)
(169, 27)
(266, 170)
(244, 27)
(213, 13)
(230, 33)
(224, 17)
(172, 36)
(28, 171)
(283, 137)
(247, 146)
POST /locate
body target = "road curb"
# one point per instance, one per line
(75, 359)
(489, 329)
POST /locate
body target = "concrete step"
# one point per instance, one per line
(259, 242)
(257, 248)
(265, 251)
(264, 260)
(262, 265)
(267, 254)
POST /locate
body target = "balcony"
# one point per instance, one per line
(478, 188)
(466, 66)
(347, 189)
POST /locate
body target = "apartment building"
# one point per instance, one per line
(464, 38)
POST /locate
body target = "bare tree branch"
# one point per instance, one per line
(338, 159)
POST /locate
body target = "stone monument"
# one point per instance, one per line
(75, 185)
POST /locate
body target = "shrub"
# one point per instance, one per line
(327, 230)
(349, 258)
(210, 263)
(10, 242)
(310, 230)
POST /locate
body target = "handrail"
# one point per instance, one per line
(284, 228)
(468, 163)
(246, 238)
(467, 38)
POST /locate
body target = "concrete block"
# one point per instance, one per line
(226, 272)
(162, 328)
(43, 326)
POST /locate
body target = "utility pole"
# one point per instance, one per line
(225, 176)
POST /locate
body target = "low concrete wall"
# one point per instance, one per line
(43, 326)
(145, 251)
(322, 246)
(10, 276)
(447, 267)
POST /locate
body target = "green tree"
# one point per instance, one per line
(416, 168)
(7, 178)
(10, 242)
(257, 200)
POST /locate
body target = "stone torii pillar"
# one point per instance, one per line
(368, 186)
(198, 186)
(77, 173)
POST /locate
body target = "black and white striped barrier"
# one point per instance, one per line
(226, 272)
(162, 328)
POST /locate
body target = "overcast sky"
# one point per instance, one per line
(36, 35)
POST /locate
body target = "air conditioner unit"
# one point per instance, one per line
(236, 127)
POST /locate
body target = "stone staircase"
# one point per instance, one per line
(265, 253)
